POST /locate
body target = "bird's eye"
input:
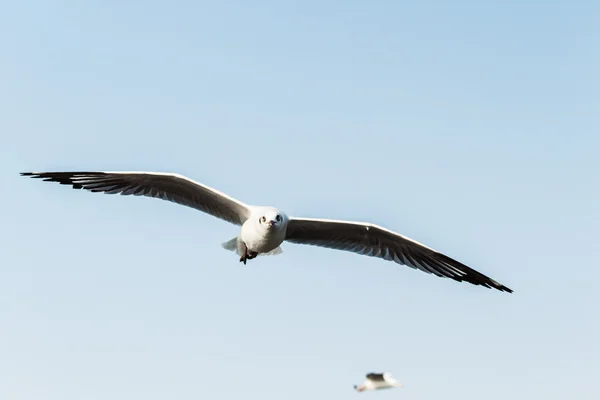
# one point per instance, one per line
(278, 217)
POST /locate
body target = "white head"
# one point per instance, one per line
(270, 218)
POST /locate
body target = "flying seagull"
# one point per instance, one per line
(264, 229)
(377, 381)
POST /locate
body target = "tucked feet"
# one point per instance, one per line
(248, 255)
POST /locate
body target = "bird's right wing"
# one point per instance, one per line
(171, 187)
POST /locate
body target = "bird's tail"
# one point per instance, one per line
(231, 245)
(237, 246)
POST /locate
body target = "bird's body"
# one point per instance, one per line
(259, 236)
(264, 229)
(378, 381)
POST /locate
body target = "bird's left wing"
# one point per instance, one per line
(171, 187)
(375, 377)
(375, 241)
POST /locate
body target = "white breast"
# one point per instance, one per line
(261, 240)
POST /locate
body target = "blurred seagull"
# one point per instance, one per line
(377, 382)
(264, 229)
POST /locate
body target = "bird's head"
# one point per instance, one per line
(271, 219)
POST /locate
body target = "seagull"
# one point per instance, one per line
(264, 229)
(378, 381)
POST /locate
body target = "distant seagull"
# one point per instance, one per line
(263, 229)
(377, 382)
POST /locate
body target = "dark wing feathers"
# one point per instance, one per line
(171, 187)
(375, 241)
(375, 377)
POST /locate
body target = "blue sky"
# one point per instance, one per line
(469, 126)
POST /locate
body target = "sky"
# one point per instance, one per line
(470, 126)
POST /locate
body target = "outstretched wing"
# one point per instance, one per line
(375, 241)
(171, 187)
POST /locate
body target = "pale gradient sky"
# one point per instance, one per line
(471, 126)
